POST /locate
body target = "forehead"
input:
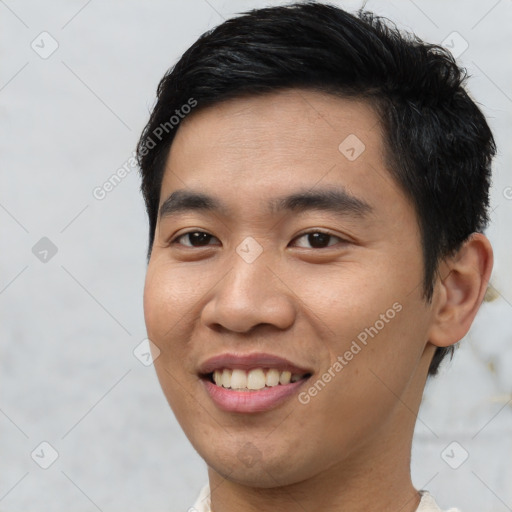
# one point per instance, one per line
(246, 148)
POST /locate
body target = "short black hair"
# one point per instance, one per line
(439, 145)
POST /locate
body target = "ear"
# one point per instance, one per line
(459, 290)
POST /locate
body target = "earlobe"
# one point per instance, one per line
(460, 289)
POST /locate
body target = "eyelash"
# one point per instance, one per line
(174, 240)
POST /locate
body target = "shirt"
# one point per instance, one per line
(427, 503)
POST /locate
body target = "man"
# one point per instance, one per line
(317, 185)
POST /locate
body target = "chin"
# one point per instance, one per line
(248, 466)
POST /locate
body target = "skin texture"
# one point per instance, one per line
(349, 447)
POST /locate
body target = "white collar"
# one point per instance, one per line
(427, 503)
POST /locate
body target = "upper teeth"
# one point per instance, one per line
(257, 378)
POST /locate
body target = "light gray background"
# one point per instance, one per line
(69, 325)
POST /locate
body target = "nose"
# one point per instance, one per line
(250, 294)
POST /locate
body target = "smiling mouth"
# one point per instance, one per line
(253, 380)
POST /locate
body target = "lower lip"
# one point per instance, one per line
(261, 400)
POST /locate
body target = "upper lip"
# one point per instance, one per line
(250, 361)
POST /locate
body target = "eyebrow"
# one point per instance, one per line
(336, 200)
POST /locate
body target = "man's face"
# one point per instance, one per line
(343, 311)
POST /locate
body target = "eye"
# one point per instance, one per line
(318, 239)
(195, 239)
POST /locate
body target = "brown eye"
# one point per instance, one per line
(195, 239)
(318, 239)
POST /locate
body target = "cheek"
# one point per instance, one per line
(345, 300)
(169, 298)
(374, 325)
(365, 384)
(156, 306)
(165, 314)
